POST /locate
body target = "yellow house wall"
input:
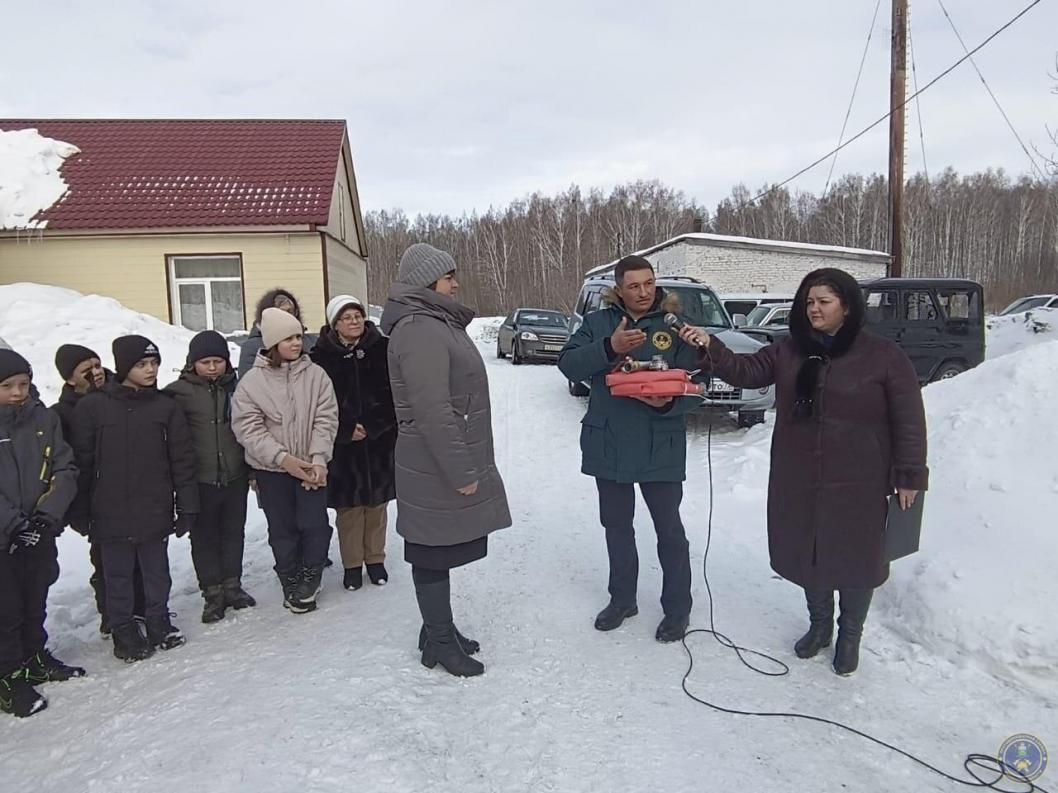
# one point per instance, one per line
(346, 272)
(132, 269)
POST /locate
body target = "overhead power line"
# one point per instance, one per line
(881, 120)
(991, 93)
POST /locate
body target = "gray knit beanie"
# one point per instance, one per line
(424, 265)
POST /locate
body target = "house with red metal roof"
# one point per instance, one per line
(191, 221)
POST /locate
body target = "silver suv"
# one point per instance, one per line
(701, 307)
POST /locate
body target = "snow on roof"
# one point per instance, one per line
(753, 242)
(30, 177)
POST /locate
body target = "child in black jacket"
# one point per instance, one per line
(133, 451)
(37, 483)
(82, 372)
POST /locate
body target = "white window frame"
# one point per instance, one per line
(175, 283)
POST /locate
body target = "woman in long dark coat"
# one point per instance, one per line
(850, 430)
(449, 494)
(360, 484)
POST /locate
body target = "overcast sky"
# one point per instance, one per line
(455, 106)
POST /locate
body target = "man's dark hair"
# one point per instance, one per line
(628, 264)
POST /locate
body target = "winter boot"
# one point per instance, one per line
(161, 633)
(213, 608)
(289, 581)
(672, 629)
(129, 644)
(442, 646)
(235, 596)
(377, 573)
(821, 623)
(46, 668)
(354, 578)
(303, 598)
(18, 697)
(469, 645)
(855, 603)
(104, 626)
(613, 615)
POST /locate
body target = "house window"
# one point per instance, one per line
(207, 292)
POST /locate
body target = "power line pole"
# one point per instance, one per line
(897, 93)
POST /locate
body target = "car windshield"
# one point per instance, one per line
(756, 317)
(700, 307)
(547, 319)
(1026, 304)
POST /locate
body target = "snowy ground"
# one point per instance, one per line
(959, 653)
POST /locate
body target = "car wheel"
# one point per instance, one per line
(499, 350)
(516, 358)
(750, 418)
(578, 389)
(948, 370)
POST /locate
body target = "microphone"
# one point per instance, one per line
(677, 325)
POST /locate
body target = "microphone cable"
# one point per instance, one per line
(973, 763)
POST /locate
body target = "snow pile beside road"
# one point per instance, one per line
(984, 581)
(30, 178)
(484, 329)
(1016, 331)
(36, 320)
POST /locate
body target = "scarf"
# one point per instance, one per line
(818, 351)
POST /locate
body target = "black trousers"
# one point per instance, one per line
(219, 532)
(298, 528)
(617, 504)
(25, 577)
(120, 559)
(99, 582)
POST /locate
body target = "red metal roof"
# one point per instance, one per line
(135, 174)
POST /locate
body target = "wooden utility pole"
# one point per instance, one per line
(897, 94)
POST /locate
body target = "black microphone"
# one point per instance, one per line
(677, 325)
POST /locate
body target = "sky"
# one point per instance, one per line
(458, 106)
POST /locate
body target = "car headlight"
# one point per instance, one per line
(763, 390)
(529, 336)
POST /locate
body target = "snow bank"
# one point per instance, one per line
(1016, 331)
(35, 320)
(984, 581)
(484, 329)
(30, 178)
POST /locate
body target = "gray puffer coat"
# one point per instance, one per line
(444, 441)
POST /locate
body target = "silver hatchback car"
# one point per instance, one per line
(700, 306)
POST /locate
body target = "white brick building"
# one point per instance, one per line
(742, 265)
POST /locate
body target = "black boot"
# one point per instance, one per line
(303, 598)
(288, 579)
(44, 667)
(613, 615)
(129, 644)
(469, 645)
(18, 697)
(235, 596)
(377, 573)
(441, 646)
(855, 603)
(353, 579)
(213, 609)
(672, 629)
(821, 623)
(161, 633)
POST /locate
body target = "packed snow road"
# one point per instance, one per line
(337, 700)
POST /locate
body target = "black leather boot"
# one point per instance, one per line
(821, 623)
(469, 645)
(441, 646)
(612, 617)
(855, 603)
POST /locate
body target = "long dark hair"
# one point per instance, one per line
(809, 342)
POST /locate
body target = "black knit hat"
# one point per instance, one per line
(11, 363)
(208, 344)
(69, 356)
(130, 350)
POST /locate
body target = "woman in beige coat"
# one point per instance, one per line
(285, 416)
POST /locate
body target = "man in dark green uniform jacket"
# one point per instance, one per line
(636, 440)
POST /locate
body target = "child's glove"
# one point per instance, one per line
(185, 521)
(25, 536)
(45, 524)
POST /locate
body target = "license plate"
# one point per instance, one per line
(552, 348)
(720, 387)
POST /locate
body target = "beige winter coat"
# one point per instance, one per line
(290, 409)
